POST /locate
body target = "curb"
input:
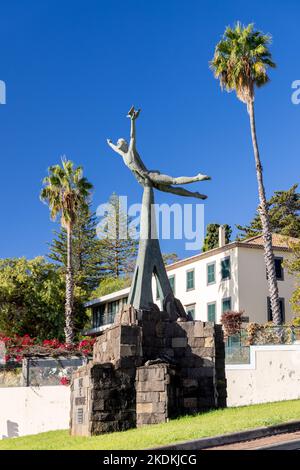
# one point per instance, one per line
(251, 434)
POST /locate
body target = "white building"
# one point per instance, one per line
(230, 277)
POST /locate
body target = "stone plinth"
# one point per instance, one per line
(103, 400)
(154, 397)
(146, 371)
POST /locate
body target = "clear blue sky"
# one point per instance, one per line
(72, 70)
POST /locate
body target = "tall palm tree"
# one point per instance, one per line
(241, 61)
(66, 191)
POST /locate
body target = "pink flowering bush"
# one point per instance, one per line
(19, 346)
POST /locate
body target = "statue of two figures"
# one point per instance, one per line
(149, 260)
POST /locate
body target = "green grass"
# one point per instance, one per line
(189, 427)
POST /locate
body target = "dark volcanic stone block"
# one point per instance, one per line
(118, 390)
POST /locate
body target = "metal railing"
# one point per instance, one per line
(237, 347)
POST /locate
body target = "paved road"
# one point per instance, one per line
(289, 441)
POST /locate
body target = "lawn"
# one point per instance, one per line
(189, 427)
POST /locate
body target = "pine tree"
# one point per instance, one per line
(211, 239)
(87, 250)
(284, 213)
(119, 246)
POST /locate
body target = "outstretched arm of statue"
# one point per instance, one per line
(114, 147)
(133, 115)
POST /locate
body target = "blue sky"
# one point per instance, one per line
(72, 70)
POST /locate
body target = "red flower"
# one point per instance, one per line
(64, 381)
(26, 340)
(52, 343)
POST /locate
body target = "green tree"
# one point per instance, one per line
(170, 258)
(241, 61)
(87, 252)
(32, 299)
(119, 246)
(293, 266)
(65, 191)
(110, 285)
(284, 213)
(211, 239)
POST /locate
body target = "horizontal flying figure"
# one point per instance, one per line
(149, 259)
(145, 177)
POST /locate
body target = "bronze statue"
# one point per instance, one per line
(149, 260)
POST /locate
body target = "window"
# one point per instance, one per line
(226, 304)
(282, 309)
(211, 273)
(211, 311)
(279, 268)
(172, 282)
(98, 313)
(190, 310)
(190, 279)
(225, 268)
(112, 308)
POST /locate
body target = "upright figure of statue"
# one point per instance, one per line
(149, 259)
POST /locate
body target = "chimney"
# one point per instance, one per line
(222, 239)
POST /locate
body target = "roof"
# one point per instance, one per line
(113, 295)
(279, 241)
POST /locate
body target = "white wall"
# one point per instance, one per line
(26, 410)
(203, 293)
(272, 375)
(253, 286)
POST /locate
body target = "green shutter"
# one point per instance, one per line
(190, 284)
(211, 273)
(226, 305)
(172, 283)
(211, 312)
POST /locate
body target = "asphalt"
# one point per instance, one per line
(275, 435)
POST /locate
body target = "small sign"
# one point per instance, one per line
(245, 319)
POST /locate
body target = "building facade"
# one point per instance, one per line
(230, 277)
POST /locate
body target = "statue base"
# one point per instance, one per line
(146, 369)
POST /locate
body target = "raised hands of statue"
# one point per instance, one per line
(133, 114)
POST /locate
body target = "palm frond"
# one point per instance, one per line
(242, 59)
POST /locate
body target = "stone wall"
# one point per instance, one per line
(147, 369)
(103, 400)
(155, 400)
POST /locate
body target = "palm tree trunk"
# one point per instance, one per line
(265, 222)
(69, 327)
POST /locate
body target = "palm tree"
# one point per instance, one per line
(241, 61)
(66, 191)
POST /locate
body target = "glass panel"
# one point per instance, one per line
(98, 313)
(211, 312)
(278, 268)
(225, 268)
